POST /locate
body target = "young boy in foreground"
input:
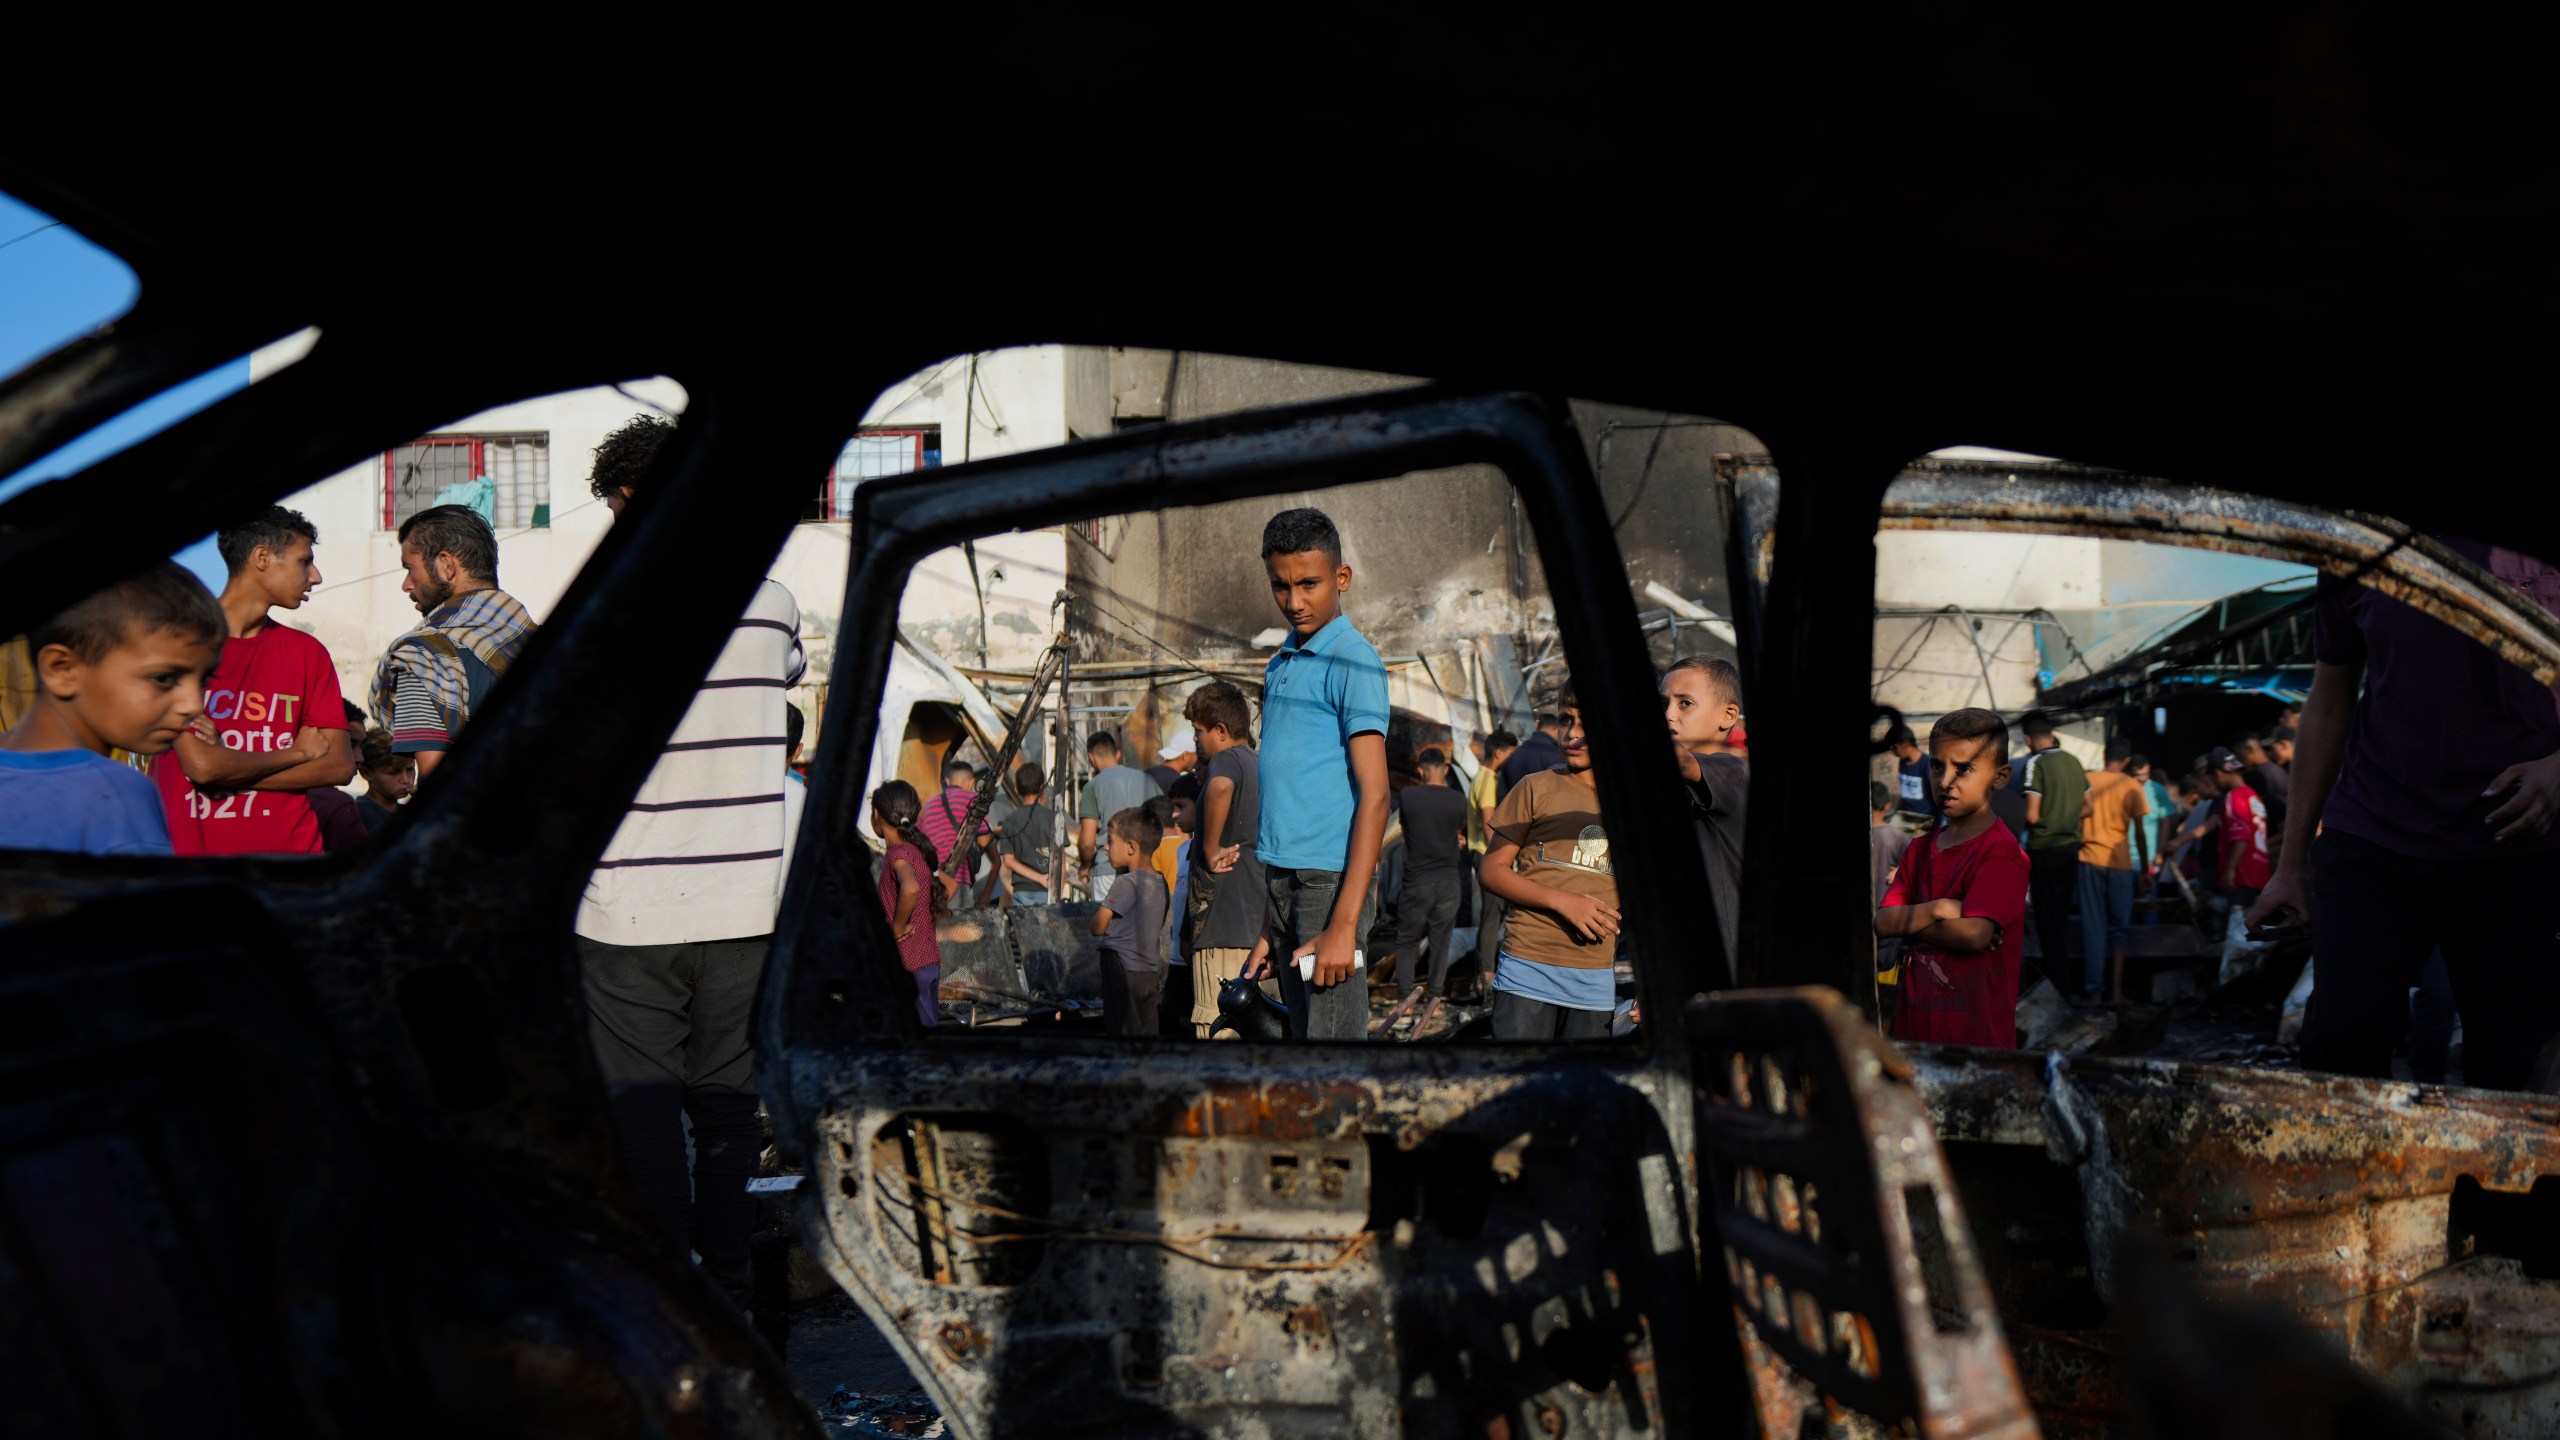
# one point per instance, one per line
(124, 669)
(1959, 897)
(1556, 978)
(1131, 924)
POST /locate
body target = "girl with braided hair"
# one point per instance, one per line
(908, 893)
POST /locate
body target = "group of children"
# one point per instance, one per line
(1952, 898)
(232, 721)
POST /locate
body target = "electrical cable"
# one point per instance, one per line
(921, 384)
(30, 235)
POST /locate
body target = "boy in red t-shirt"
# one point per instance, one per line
(2244, 867)
(274, 726)
(1959, 898)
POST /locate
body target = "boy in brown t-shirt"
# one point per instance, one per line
(1556, 978)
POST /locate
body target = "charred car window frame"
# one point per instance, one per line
(2054, 498)
(897, 523)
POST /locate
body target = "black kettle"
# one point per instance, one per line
(1243, 1008)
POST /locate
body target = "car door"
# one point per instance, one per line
(1070, 1234)
(315, 1145)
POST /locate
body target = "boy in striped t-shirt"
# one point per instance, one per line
(677, 917)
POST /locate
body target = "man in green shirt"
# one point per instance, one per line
(2056, 786)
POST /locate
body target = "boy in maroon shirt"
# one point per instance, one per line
(1959, 898)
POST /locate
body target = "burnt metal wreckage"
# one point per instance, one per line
(317, 1148)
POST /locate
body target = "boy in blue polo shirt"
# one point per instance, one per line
(1324, 782)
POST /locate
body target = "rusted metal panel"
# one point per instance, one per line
(2400, 1221)
(1224, 1248)
(1279, 1110)
(1851, 1268)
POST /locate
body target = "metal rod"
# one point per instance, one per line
(1052, 661)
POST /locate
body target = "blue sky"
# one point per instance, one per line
(56, 286)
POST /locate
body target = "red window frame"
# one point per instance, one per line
(391, 475)
(915, 449)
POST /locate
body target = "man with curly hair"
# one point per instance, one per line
(678, 915)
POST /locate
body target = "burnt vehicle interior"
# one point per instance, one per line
(2360, 1209)
(317, 1147)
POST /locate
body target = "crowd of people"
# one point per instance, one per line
(1266, 852)
(2400, 819)
(1251, 851)
(168, 720)
(2041, 838)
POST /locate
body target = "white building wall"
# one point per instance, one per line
(1927, 666)
(1016, 402)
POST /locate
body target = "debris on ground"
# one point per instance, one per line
(2042, 1012)
(2048, 1022)
(2240, 954)
(2170, 986)
(905, 1413)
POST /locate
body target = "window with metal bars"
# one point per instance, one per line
(507, 478)
(869, 455)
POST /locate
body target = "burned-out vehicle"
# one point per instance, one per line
(317, 1146)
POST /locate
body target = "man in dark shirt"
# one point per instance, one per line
(1026, 847)
(1179, 757)
(1435, 834)
(1702, 706)
(2056, 785)
(2421, 818)
(2260, 772)
(1541, 751)
(1916, 794)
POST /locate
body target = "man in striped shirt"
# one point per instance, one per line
(678, 915)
